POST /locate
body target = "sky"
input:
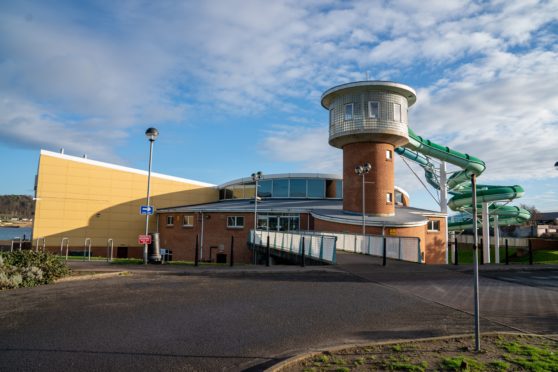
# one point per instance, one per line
(234, 86)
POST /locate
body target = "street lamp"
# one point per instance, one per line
(151, 134)
(362, 170)
(255, 177)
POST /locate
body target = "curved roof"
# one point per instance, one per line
(283, 175)
(402, 89)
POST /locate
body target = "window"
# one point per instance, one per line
(298, 188)
(264, 189)
(235, 222)
(434, 225)
(389, 198)
(280, 189)
(188, 220)
(316, 188)
(397, 112)
(349, 111)
(388, 155)
(373, 109)
(331, 116)
(170, 220)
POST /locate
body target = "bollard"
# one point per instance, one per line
(196, 253)
(456, 253)
(302, 261)
(384, 261)
(507, 254)
(530, 252)
(267, 253)
(232, 250)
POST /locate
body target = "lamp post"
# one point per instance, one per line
(255, 177)
(362, 170)
(151, 134)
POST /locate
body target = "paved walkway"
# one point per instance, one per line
(521, 297)
(212, 318)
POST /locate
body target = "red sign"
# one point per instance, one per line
(144, 239)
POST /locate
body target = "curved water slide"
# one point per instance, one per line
(459, 184)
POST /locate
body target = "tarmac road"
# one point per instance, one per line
(225, 318)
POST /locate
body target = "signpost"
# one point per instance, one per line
(146, 209)
(144, 239)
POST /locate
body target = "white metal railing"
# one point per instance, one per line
(397, 247)
(512, 242)
(67, 241)
(110, 248)
(43, 246)
(320, 247)
(87, 249)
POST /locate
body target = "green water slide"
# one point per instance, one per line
(459, 184)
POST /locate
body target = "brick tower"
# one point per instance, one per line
(368, 119)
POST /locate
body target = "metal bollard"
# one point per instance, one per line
(196, 253)
(507, 254)
(456, 253)
(384, 261)
(530, 252)
(302, 261)
(232, 251)
(267, 253)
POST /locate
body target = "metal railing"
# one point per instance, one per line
(87, 249)
(110, 248)
(397, 247)
(67, 241)
(43, 246)
(320, 247)
(16, 239)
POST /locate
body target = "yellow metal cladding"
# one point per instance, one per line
(79, 198)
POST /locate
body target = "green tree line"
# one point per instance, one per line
(19, 206)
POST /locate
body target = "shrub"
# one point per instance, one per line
(28, 269)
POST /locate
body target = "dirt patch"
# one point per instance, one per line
(501, 352)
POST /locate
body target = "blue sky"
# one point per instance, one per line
(234, 86)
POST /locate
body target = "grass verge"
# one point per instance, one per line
(502, 352)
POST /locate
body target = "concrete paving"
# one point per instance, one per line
(244, 318)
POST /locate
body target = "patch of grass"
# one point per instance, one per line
(405, 366)
(322, 359)
(499, 365)
(539, 256)
(127, 261)
(530, 357)
(343, 369)
(396, 348)
(359, 361)
(461, 363)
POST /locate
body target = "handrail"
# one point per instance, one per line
(67, 240)
(38, 243)
(110, 246)
(14, 240)
(87, 247)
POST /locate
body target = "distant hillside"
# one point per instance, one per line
(20, 206)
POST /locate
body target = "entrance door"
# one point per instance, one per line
(284, 224)
(272, 223)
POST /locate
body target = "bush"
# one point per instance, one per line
(28, 269)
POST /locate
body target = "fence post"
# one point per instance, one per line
(302, 261)
(384, 261)
(196, 253)
(530, 252)
(456, 252)
(267, 253)
(232, 250)
(507, 254)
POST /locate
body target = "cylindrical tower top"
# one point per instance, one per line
(368, 111)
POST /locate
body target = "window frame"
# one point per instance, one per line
(171, 219)
(352, 105)
(389, 155)
(370, 109)
(433, 223)
(190, 217)
(389, 198)
(236, 224)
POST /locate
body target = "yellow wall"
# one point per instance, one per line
(79, 198)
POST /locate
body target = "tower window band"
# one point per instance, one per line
(349, 108)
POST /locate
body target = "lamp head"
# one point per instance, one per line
(367, 167)
(152, 134)
(359, 169)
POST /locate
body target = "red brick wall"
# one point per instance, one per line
(379, 179)
(436, 243)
